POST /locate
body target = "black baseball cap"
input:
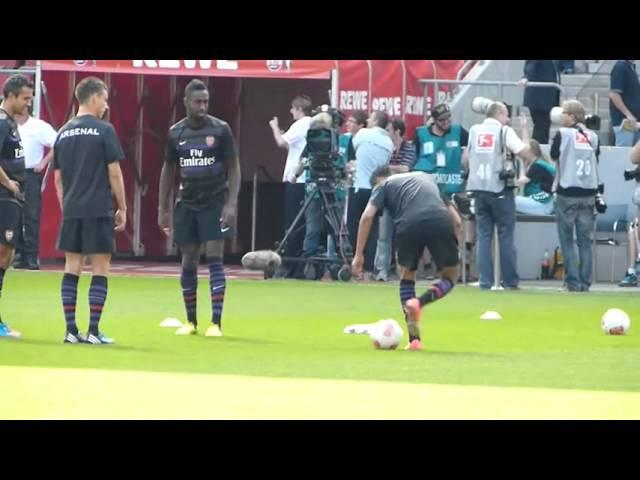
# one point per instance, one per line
(440, 110)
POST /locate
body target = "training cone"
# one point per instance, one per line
(171, 323)
(490, 315)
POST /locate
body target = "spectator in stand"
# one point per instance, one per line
(540, 100)
(566, 67)
(633, 253)
(537, 181)
(624, 105)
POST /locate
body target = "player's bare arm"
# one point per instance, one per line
(167, 176)
(229, 211)
(366, 221)
(117, 187)
(57, 180)
(11, 185)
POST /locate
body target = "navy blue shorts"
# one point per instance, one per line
(198, 226)
(11, 224)
(437, 234)
(88, 236)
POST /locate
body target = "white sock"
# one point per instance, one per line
(631, 271)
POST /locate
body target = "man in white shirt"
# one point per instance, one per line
(293, 140)
(37, 135)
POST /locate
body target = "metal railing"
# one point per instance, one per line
(496, 83)
(466, 68)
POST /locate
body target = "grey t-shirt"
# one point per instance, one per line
(411, 199)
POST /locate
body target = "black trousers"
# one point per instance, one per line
(32, 208)
(294, 199)
(357, 204)
(541, 125)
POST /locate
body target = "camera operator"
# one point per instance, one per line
(313, 213)
(374, 149)
(633, 250)
(489, 160)
(576, 149)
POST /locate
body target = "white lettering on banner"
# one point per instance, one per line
(169, 63)
(145, 63)
(203, 63)
(227, 64)
(197, 162)
(353, 100)
(190, 64)
(391, 105)
(414, 105)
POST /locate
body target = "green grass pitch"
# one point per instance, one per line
(294, 329)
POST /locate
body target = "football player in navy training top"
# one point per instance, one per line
(421, 219)
(18, 92)
(86, 162)
(203, 149)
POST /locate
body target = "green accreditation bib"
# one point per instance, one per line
(442, 156)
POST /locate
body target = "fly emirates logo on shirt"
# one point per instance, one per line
(196, 158)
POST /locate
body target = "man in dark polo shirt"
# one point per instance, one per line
(624, 105)
(87, 174)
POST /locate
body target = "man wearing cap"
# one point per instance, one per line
(439, 149)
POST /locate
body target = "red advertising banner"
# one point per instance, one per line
(312, 69)
(448, 68)
(354, 86)
(415, 106)
(387, 87)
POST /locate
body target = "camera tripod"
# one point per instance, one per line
(339, 265)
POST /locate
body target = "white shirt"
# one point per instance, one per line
(511, 137)
(35, 134)
(296, 137)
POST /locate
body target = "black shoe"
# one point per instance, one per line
(31, 264)
(18, 262)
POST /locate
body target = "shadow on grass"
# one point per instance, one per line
(60, 344)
